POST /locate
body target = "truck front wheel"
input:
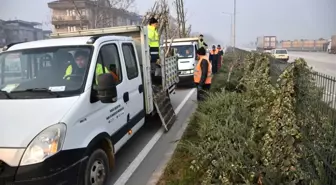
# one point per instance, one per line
(97, 169)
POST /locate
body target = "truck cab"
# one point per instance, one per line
(61, 127)
(186, 49)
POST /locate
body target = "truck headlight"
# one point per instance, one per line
(46, 144)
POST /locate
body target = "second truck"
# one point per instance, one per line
(266, 43)
(186, 52)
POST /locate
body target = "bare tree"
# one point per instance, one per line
(122, 4)
(103, 11)
(106, 11)
(79, 12)
(183, 31)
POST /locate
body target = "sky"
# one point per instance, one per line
(286, 19)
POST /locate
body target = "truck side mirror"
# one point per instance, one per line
(107, 88)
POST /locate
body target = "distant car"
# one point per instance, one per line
(280, 54)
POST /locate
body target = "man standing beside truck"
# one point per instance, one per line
(213, 57)
(202, 74)
(220, 56)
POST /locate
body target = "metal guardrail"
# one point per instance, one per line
(328, 84)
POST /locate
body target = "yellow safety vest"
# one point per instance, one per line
(99, 71)
(201, 44)
(153, 37)
(198, 71)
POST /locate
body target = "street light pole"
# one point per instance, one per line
(234, 22)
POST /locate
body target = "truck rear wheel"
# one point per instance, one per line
(97, 169)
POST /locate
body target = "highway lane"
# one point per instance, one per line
(132, 163)
(321, 62)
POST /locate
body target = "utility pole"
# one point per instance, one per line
(234, 22)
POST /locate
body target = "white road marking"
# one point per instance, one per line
(125, 176)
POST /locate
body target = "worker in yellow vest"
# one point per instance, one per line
(202, 74)
(201, 42)
(82, 61)
(154, 40)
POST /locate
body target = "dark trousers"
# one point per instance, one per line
(214, 64)
(202, 93)
(154, 54)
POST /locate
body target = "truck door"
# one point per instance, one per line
(112, 114)
(133, 97)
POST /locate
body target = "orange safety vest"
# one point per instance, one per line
(115, 76)
(198, 71)
(212, 52)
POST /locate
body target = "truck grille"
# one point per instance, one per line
(2, 167)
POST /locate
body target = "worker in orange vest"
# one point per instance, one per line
(213, 57)
(220, 56)
(202, 74)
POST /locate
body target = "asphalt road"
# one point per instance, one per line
(321, 62)
(139, 158)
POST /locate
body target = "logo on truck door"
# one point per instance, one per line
(115, 113)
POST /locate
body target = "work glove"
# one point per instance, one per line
(158, 62)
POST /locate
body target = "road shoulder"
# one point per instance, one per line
(156, 159)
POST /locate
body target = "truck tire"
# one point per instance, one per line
(97, 168)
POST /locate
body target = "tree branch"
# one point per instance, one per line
(79, 13)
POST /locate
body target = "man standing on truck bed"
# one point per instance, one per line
(202, 74)
(154, 39)
(201, 42)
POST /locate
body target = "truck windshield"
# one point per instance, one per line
(281, 51)
(185, 51)
(43, 72)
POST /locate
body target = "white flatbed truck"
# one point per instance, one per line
(58, 129)
(187, 58)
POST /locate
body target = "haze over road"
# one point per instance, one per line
(321, 62)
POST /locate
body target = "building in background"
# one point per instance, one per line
(76, 15)
(12, 31)
(46, 34)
